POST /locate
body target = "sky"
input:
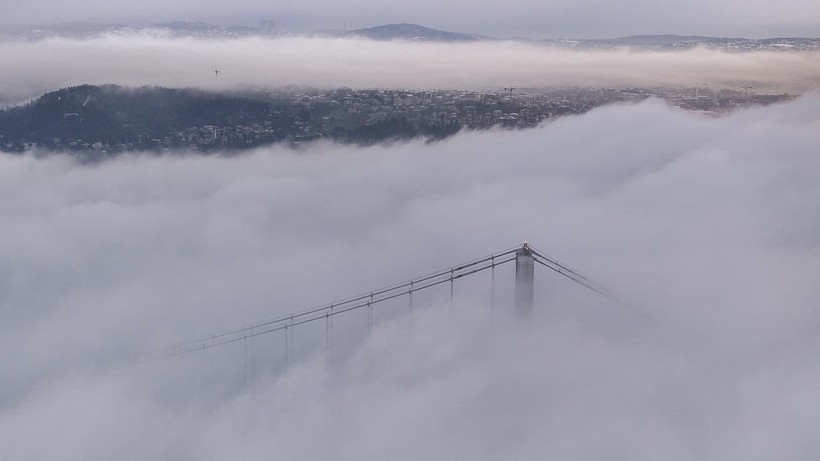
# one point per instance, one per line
(706, 228)
(527, 18)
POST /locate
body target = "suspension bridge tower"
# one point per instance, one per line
(524, 282)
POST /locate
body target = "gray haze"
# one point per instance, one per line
(537, 19)
(709, 226)
(146, 59)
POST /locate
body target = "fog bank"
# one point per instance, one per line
(707, 226)
(143, 59)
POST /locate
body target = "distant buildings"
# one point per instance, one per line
(374, 115)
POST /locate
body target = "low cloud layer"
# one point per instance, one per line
(257, 62)
(708, 227)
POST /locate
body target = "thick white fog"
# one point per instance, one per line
(142, 59)
(707, 228)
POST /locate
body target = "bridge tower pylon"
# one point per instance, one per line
(524, 282)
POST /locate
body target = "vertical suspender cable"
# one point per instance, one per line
(327, 333)
(292, 342)
(492, 285)
(370, 312)
(287, 347)
(410, 295)
(245, 359)
(451, 286)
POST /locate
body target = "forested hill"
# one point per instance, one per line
(103, 120)
(111, 114)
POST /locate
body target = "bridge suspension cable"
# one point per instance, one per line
(326, 312)
(571, 274)
(551, 263)
(370, 299)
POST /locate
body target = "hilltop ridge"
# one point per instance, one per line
(406, 32)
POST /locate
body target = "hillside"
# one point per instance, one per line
(99, 121)
(112, 112)
(412, 32)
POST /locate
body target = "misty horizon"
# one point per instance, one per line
(149, 59)
(306, 30)
(516, 18)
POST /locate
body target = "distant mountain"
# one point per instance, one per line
(67, 29)
(82, 27)
(683, 42)
(92, 29)
(409, 32)
(191, 26)
(667, 39)
(204, 29)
